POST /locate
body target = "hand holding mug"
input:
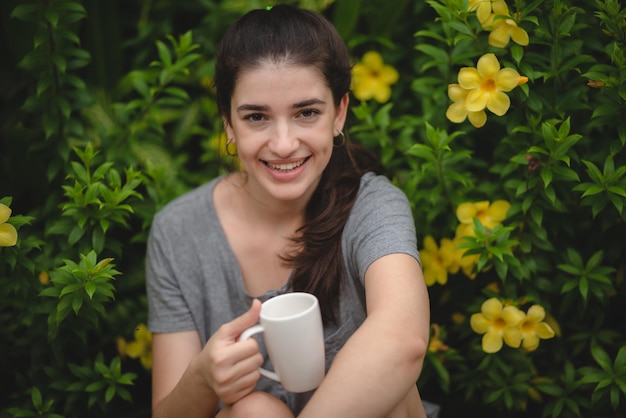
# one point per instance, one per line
(232, 367)
(292, 330)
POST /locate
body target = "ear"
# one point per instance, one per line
(342, 112)
(230, 134)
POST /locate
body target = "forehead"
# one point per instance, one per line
(274, 82)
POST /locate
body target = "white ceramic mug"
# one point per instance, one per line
(292, 330)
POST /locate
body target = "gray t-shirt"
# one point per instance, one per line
(194, 282)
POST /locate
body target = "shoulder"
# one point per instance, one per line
(375, 188)
(379, 205)
(192, 202)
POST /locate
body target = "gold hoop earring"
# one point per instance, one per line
(228, 151)
(340, 139)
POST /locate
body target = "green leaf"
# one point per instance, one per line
(546, 176)
(77, 302)
(95, 386)
(602, 358)
(593, 189)
(90, 289)
(70, 289)
(36, 398)
(110, 393)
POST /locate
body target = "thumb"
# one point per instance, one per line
(238, 325)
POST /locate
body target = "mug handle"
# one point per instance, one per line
(249, 333)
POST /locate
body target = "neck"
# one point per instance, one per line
(281, 214)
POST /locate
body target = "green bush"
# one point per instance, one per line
(107, 114)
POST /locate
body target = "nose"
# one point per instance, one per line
(283, 142)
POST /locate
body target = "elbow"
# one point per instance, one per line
(416, 352)
(414, 349)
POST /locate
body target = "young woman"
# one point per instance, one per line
(306, 213)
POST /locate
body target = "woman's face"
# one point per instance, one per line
(283, 120)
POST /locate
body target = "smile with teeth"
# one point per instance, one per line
(285, 167)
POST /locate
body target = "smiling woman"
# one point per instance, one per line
(284, 123)
(305, 214)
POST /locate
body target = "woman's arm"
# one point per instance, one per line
(381, 362)
(189, 380)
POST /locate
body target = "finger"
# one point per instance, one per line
(231, 391)
(238, 325)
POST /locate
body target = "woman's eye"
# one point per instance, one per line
(255, 117)
(309, 113)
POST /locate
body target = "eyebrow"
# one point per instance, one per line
(263, 108)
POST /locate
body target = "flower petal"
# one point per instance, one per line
(456, 92)
(441, 274)
(8, 235)
(498, 103)
(134, 349)
(544, 331)
(476, 100)
(372, 60)
(430, 244)
(512, 315)
(500, 8)
(464, 230)
(500, 36)
(146, 360)
(465, 212)
(512, 337)
(456, 112)
(488, 65)
(492, 308)
(479, 323)
(483, 11)
(469, 78)
(389, 75)
(5, 213)
(477, 119)
(520, 36)
(382, 93)
(536, 313)
(530, 343)
(507, 79)
(492, 342)
(498, 210)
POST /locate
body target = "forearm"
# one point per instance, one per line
(190, 398)
(371, 374)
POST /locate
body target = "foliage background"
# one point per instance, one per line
(106, 114)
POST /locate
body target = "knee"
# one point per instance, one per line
(260, 405)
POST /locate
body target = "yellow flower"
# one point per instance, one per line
(435, 344)
(489, 215)
(44, 278)
(434, 269)
(372, 78)
(466, 262)
(450, 255)
(8, 233)
(490, 11)
(140, 348)
(219, 142)
(487, 83)
(482, 8)
(457, 112)
(505, 30)
(498, 324)
(533, 328)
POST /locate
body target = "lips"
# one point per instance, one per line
(286, 166)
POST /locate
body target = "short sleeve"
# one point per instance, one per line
(168, 310)
(381, 223)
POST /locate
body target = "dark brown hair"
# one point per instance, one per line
(290, 35)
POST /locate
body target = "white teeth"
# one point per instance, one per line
(285, 167)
